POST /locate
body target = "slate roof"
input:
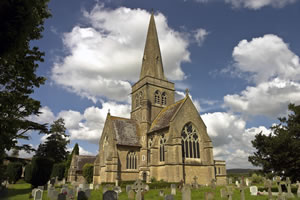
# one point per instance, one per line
(163, 118)
(126, 131)
(82, 160)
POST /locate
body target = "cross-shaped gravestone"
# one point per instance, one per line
(38, 194)
(279, 186)
(288, 186)
(195, 183)
(298, 190)
(242, 189)
(268, 184)
(161, 193)
(138, 186)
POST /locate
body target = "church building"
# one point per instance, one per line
(162, 139)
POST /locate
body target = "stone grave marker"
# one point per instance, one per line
(169, 197)
(131, 194)
(247, 182)
(186, 192)
(268, 184)
(49, 191)
(237, 184)
(110, 195)
(91, 186)
(161, 193)
(209, 196)
(128, 188)
(81, 195)
(38, 194)
(195, 184)
(104, 188)
(230, 181)
(33, 192)
(97, 186)
(117, 189)
(279, 187)
(298, 190)
(242, 189)
(147, 188)
(138, 186)
(173, 189)
(62, 196)
(223, 193)
(229, 192)
(213, 184)
(289, 189)
(54, 195)
(253, 190)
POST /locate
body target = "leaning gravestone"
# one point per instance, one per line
(209, 196)
(186, 192)
(169, 197)
(253, 190)
(38, 194)
(110, 195)
(173, 189)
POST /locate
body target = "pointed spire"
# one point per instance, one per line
(152, 61)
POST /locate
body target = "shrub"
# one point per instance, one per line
(58, 170)
(41, 170)
(87, 172)
(14, 172)
(256, 179)
(28, 173)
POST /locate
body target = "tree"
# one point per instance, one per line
(55, 146)
(87, 172)
(279, 152)
(28, 173)
(21, 22)
(41, 170)
(75, 151)
(14, 172)
(58, 170)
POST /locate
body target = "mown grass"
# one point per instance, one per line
(22, 191)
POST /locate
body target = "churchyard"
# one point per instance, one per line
(239, 189)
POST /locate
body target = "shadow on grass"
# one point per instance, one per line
(12, 192)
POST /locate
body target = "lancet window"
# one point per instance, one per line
(137, 102)
(157, 97)
(162, 143)
(163, 98)
(141, 97)
(131, 160)
(190, 142)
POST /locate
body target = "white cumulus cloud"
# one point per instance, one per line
(200, 36)
(105, 56)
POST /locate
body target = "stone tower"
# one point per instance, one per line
(153, 91)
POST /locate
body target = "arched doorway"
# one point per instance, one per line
(145, 176)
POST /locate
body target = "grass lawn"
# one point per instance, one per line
(22, 191)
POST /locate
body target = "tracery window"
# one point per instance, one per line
(131, 160)
(157, 97)
(190, 142)
(162, 142)
(137, 102)
(163, 98)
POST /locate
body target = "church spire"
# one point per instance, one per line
(152, 61)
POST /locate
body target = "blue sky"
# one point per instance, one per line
(239, 59)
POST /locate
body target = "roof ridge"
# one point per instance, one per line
(117, 117)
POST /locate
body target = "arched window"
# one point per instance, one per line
(162, 148)
(137, 102)
(131, 160)
(164, 98)
(190, 142)
(150, 142)
(141, 97)
(157, 97)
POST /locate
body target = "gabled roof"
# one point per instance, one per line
(82, 160)
(164, 117)
(125, 130)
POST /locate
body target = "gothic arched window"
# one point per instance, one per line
(163, 98)
(137, 102)
(162, 142)
(190, 142)
(157, 97)
(131, 160)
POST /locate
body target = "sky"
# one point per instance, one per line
(239, 59)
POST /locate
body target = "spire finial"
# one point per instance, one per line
(187, 92)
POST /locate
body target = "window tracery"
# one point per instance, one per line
(190, 142)
(141, 97)
(164, 98)
(157, 97)
(162, 142)
(131, 160)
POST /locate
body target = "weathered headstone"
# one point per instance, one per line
(54, 195)
(33, 192)
(131, 194)
(97, 186)
(253, 190)
(139, 187)
(279, 187)
(186, 192)
(230, 181)
(195, 184)
(117, 189)
(247, 182)
(237, 184)
(147, 188)
(213, 184)
(117, 182)
(82, 196)
(38, 194)
(289, 189)
(169, 197)
(91, 186)
(62, 196)
(128, 188)
(229, 192)
(223, 193)
(242, 189)
(161, 193)
(209, 196)
(110, 195)
(268, 184)
(173, 189)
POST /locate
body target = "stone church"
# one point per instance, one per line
(163, 139)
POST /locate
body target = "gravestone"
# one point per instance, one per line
(242, 189)
(91, 186)
(104, 189)
(62, 196)
(128, 188)
(213, 184)
(81, 195)
(49, 191)
(169, 197)
(186, 192)
(253, 190)
(97, 187)
(268, 184)
(54, 195)
(147, 188)
(33, 192)
(131, 194)
(298, 190)
(247, 182)
(230, 181)
(289, 189)
(229, 192)
(41, 187)
(117, 182)
(139, 187)
(38, 194)
(195, 184)
(110, 195)
(279, 187)
(237, 184)
(209, 196)
(117, 189)
(173, 189)
(71, 193)
(223, 193)
(161, 193)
